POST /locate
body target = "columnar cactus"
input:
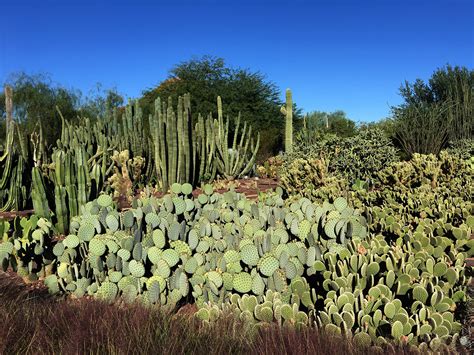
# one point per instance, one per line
(287, 111)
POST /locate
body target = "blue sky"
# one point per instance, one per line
(349, 55)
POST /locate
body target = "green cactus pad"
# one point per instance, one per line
(71, 241)
(97, 247)
(152, 219)
(191, 265)
(171, 257)
(249, 254)
(156, 278)
(104, 201)
(231, 256)
(186, 189)
(128, 219)
(420, 294)
(124, 254)
(58, 249)
(107, 291)
(340, 204)
(268, 264)
(242, 282)
(258, 286)
(115, 276)
(397, 330)
(162, 269)
(304, 229)
(264, 314)
(179, 205)
(86, 232)
(159, 238)
(176, 188)
(136, 268)
(112, 222)
(362, 340)
(389, 310)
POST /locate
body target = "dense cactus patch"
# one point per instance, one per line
(343, 269)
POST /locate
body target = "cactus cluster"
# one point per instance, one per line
(406, 292)
(13, 165)
(311, 178)
(89, 158)
(206, 247)
(285, 261)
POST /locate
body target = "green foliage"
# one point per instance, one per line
(392, 268)
(317, 124)
(357, 157)
(35, 98)
(436, 112)
(463, 148)
(423, 128)
(242, 91)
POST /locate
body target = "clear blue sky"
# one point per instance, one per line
(349, 55)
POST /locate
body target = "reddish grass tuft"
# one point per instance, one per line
(35, 323)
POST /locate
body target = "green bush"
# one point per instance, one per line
(354, 158)
(463, 148)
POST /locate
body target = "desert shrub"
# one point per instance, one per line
(354, 158)
(271, 168)
(436, 111)
(364, 154)
(463, 148)
(423, 128)
(311, 178)
(437, 188)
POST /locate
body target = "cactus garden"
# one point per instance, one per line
(354, 242)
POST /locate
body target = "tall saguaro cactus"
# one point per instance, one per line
(287, 110)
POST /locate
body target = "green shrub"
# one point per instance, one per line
(361, 156)
(358, 157)
(463, 148)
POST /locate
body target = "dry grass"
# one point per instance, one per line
(36, 323)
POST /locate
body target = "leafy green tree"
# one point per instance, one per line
(101, 102)
(334, 122)
(241, 90)
(319, 124)
(35, 98)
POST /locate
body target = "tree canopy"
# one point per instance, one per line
(334, 122)
(242, 91)
(36, 96)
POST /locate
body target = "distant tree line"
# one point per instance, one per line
(433, 113)
(35, 98)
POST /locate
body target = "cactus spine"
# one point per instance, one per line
(287, 110)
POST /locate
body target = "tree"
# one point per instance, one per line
(101, 102)
(35, 98)
(242, 91)
(319, 124)
(451, 87)
(335, 122)
(34, 102)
